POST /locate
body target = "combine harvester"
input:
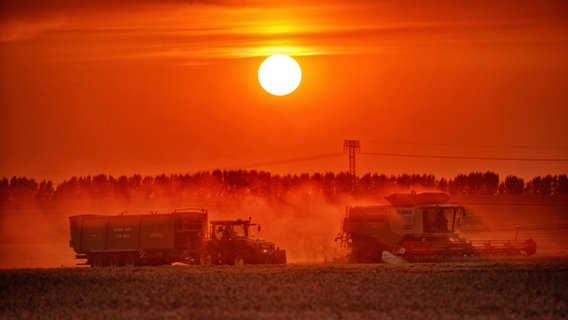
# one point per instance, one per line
(417, 228)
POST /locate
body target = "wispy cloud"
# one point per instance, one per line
(204, 30)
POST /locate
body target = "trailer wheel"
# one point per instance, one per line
(96, 260)
(114, 260)
(131, 260)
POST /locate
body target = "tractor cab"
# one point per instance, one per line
(232, 229)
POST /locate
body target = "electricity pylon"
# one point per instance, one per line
(352, 147)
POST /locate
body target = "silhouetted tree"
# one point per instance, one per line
(490, 183)
(345, 182)
(45, 191)
(546, 185)
(233, 183)
(427, 180)
(475, 183)
(134, 185)
(121, 187)
(404, 180)
(532, 186)
(459, 184)
(513, 185)
(23, 189)
(443, 184)
(540, 186)
(67, 189)
(147, 188)
(5, 191)
(562, 185)
(101, 186)
(162, 187)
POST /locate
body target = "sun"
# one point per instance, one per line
(279, 74)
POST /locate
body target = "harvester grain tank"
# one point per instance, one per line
(416, 227)
(155, 239)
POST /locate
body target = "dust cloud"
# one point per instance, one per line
(303, 224)
(33, 237)
(543, 219)
(302, 221)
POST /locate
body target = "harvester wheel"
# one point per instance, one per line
(529, 247)
(368, 255)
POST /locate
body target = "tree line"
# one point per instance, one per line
(232, 183)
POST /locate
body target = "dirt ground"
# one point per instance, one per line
(473, 288)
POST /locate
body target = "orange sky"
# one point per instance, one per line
(155, 87)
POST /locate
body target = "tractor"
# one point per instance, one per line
(231, 242)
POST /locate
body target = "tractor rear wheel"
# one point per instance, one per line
(207, 258)
(239, 260)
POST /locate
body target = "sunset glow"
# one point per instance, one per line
(98, 87)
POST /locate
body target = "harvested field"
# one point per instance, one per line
(533, 288)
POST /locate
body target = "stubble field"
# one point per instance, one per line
(480, 288)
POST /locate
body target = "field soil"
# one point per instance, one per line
(470, 288)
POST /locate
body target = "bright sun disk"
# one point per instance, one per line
(279, 74)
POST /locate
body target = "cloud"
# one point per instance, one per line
(193, 31)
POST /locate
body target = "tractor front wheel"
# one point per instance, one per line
(242, 257)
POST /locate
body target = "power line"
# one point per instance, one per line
(462, 157)
(467, 145)
(384, 154)
(286, 161)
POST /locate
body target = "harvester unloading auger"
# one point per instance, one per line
(414, 228)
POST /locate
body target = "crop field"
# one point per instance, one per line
(474, 288)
